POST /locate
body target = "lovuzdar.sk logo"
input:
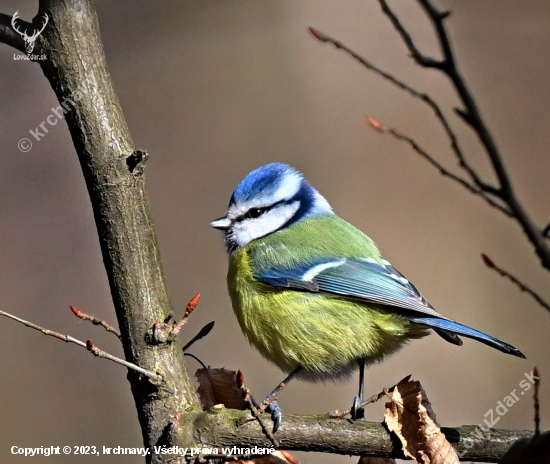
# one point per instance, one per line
(29, 39)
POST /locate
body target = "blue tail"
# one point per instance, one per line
(448, 328)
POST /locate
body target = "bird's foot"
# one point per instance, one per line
(276, 414)
(270, 403)
(356, 412)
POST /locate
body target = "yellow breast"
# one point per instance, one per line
(325, 334)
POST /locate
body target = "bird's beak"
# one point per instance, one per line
(222, 223)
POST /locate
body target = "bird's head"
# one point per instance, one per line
(269, 199)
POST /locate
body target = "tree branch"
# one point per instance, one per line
(76, 69)
(421, 59)
(472, 115)
(95, 321)
(523, 287)
(88, 345)
(8, 35)
(482, 188)
(218, 428)
(442, 170)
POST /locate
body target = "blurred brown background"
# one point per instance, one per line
(214, 89)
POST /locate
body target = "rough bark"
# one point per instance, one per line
(113, 171)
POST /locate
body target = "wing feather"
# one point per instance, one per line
(372, 282)
(359, 279)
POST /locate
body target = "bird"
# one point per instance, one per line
(313, 293)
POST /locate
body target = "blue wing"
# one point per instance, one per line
(369, 281)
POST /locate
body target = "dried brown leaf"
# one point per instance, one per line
(410, 416)
(219, 386)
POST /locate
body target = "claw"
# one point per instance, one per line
(357, 413)
(270, 402)
(276, 414)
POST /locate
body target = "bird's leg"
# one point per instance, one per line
(356, 412)
(270, 402)
(268, 399)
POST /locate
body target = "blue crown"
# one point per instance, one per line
(263, 181)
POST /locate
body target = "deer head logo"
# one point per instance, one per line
(29, 39)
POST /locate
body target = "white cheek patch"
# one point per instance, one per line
(250, 229)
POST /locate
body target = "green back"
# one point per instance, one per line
(310, 240)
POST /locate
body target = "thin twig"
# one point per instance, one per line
(196, 359)
(9, 36)
(256, 413)
(88, 345)
(322, 37)
(546, 231)
(536, 377)
(472, 116)
(372, 399)
(427, 99)
(95, 321)
(523, 287)
(421, 59)
(449, 67)
(442, 170)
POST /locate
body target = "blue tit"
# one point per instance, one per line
(311, 292)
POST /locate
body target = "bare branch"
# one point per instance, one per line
(114, 176)
(455, 146)
(217, 428)
(536, 401)
(88, 345)
(322, 37)
(254, 410)
(421, 59)
(196, 359)
(523, 287)
(372, 399)
(95, 321)
(471, 114)
(442, 170)
(8, 35)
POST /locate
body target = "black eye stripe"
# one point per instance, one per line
(251, 213)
